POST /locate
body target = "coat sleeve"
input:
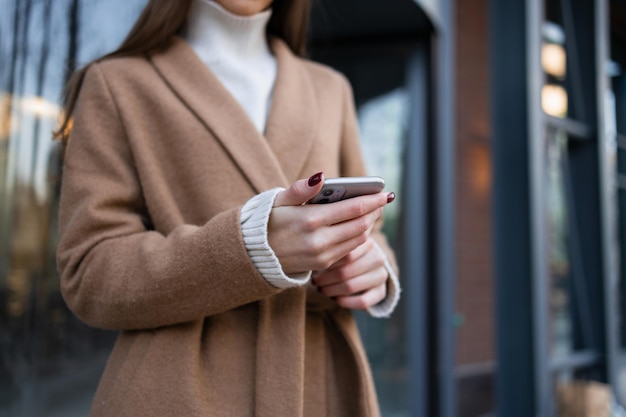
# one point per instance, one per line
(352, 165)
(116, 273)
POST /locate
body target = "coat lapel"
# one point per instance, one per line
(292, 126)
(266, 162)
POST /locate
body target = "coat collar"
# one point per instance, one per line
(275, 159)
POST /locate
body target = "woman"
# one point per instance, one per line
(184, 224)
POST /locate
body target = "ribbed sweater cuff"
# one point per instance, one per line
(255, 215)
(386, 307)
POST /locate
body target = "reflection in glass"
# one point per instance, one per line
(383, 124)
(558, 258)
(49, 362)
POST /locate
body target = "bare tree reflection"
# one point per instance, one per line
(11, 363)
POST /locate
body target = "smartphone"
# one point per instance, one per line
(336, 189)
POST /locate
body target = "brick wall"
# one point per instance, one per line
(474, 289)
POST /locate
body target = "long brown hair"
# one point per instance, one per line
(160, 20)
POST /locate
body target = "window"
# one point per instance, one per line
(50, 362)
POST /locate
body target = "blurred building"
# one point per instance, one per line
(500, 125)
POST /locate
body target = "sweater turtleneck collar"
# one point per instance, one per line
(215, 32)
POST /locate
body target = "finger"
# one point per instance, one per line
(357, 285)
(354, 255)
(300, 191)
(340, 232)
(352, 208)
(363, 301)
(363, 262)
(336, 252)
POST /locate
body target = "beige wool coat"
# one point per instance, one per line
(160, 160)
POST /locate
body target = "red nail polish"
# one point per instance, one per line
(390, 197)
(315, 179)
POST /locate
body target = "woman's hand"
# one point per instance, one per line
(358, 281)
(317, 236)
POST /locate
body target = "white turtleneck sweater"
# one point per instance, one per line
(235, 49)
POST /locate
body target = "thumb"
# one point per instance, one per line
(300, 191)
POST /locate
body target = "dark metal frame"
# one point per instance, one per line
(415, 239)
(430, 242)
(515, 349)
(444, 181)
(525, 368)
(608, 201)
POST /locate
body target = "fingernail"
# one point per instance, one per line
(315, 179)
(390, 197)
